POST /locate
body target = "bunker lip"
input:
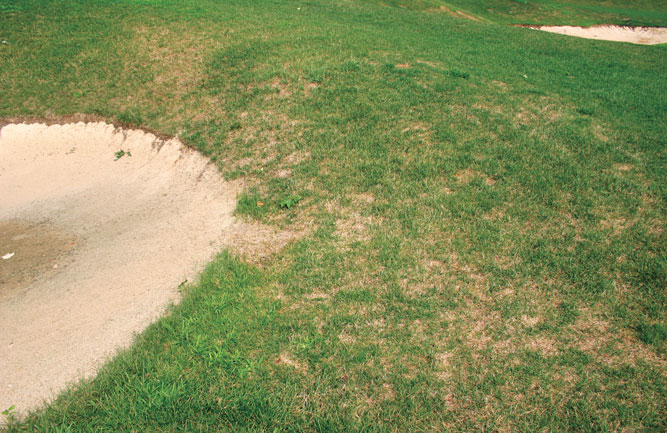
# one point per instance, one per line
(142, 214)
(79, 118)
(609, 32)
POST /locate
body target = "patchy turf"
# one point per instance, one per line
(484, 209)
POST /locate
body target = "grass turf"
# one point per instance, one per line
(555, 12)
(485, 209)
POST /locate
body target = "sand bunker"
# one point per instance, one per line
(635, 35)
(103, 224)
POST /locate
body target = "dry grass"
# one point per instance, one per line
(258, 242)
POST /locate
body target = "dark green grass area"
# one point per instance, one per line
(483, 210)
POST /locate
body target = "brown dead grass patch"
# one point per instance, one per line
(353, 225)
(444, 369)
(468, 16)
(258, 242)
(623, 167)
(483, 321)
(600, 133)
(530, 321)
(656, 226)
(418, 328)
(283, 173)
(354, 228)
(387, 392)
(283, 90)
(543, 345)
(364, 198)
(309, 88)
(596, 337)
(290, 360)
(346, 338)
(429, 63)
(457, 13)
(317, 295)
(297, 157)
(492, 108)
(537, 113)
(450, 271)
(615, 225)
(468, 175)
(433, 274)
(465, 176)
(417, 127)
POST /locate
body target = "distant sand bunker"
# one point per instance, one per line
(103, 224)
(635, 35)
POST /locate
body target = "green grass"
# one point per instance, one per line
(485, 209)
(572, 12)
(554, 12)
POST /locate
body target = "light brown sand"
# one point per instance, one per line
(635, 35)
(100, 246)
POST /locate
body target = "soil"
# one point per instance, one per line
(38, 249)
(101, 241)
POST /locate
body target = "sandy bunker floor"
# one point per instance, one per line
(99, 245)
(635, 35)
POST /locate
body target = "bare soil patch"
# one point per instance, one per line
(104, 224)
(31, 250)
(635, 35)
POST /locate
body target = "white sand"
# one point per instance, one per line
(135, 229)
(635, 35)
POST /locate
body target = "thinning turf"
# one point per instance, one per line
(485, 209)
